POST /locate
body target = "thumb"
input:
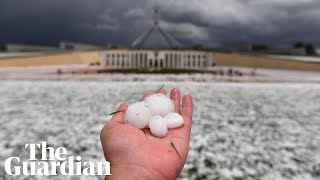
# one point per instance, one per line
(118, 118)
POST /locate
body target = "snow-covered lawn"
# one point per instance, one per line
(240, 131)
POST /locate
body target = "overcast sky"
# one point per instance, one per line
(208, 22)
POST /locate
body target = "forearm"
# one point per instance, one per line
(134, 173)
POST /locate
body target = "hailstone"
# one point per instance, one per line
(138, 115)
(158, 126)
(160, 104)
(173, 120)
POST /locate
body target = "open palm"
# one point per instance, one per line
(137, 154)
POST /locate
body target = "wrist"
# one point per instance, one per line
(133, 172)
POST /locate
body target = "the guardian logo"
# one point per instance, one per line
(52, 162)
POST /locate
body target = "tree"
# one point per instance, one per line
(259, 47)
(310, 50)
(2, 48)
(198, 47)
(299, 44)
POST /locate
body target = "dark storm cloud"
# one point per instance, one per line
(210, 22)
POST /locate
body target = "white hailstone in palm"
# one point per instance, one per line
(158, 126)
(138, 115)
(160, 104)
(173, 120)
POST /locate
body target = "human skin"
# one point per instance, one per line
(137, 154)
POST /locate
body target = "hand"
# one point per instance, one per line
(137, 154)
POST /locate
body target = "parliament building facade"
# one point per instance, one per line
(158, 59)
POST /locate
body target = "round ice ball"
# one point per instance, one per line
(160, 104)
(173, 120)
(158, 126)
(138, 115)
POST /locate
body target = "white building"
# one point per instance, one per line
(77, 46)
(160, 59)
(28, 48)
(317, 51)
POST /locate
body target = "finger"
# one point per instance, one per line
(187, 110)
(162, 91)
(119, 117)
(175, 97)
(148, 94)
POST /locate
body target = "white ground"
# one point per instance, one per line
(240, 131)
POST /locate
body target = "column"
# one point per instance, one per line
(171, 61)
(127, 60)
(159, 63)
(121, 60)
(196, 59)
(184, 59)
(210, 58)
(143, 60)
(202, 61)
(192, 62)
(132, 60)
(124, 63)
(103, 59)
(139, 59)
(181, 60)
(107, 63)
(135, 60)
(146, 59)
(187, 61)
(117, 60)
(176, 60)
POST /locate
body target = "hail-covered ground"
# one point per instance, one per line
(240, 131)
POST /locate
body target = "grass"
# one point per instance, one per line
(241, 60)
(220, 59)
